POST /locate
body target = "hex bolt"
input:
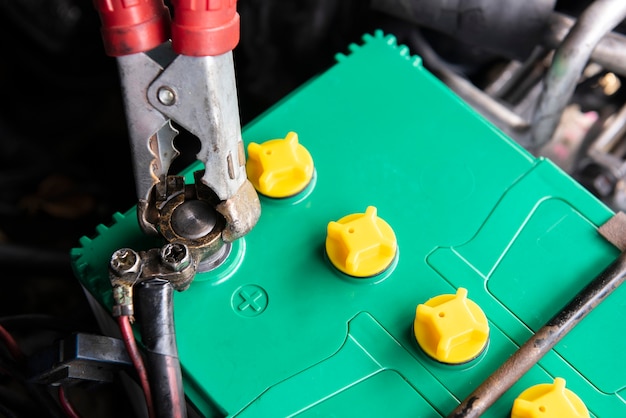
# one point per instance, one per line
(175, 256)
(166, 96)
(124, 261)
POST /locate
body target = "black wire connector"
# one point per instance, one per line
(155, 314)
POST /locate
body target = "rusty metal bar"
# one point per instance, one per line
(543, 341)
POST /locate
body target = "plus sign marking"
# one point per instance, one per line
(249, 300)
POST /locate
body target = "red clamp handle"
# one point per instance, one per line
(205, 27)
(131, 26)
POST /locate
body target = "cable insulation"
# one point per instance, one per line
(155, 314)
(135, 355)
(11, 344)
(66, 405)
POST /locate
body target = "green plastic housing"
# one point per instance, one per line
(276, 331)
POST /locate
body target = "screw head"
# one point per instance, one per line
(125, 261)
(166, 96)
(175, 256)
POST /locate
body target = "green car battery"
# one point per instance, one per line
(406, 258)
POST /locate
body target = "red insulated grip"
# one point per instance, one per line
(205, 27)
(131, 26)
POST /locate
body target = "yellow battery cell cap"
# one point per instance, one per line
(451, 329)
(279, 167)
(549, 400)
(361, 244)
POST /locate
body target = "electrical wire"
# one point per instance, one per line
(38, 393)
(155, 313)
(11, 344)
(135, 355)
(66, 405)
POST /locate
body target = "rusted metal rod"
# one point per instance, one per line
(543, 341)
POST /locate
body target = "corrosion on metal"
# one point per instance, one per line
(614, 230)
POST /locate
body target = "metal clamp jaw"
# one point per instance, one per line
(189, 81)
(198, 93)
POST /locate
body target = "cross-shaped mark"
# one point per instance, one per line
(250, 301)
